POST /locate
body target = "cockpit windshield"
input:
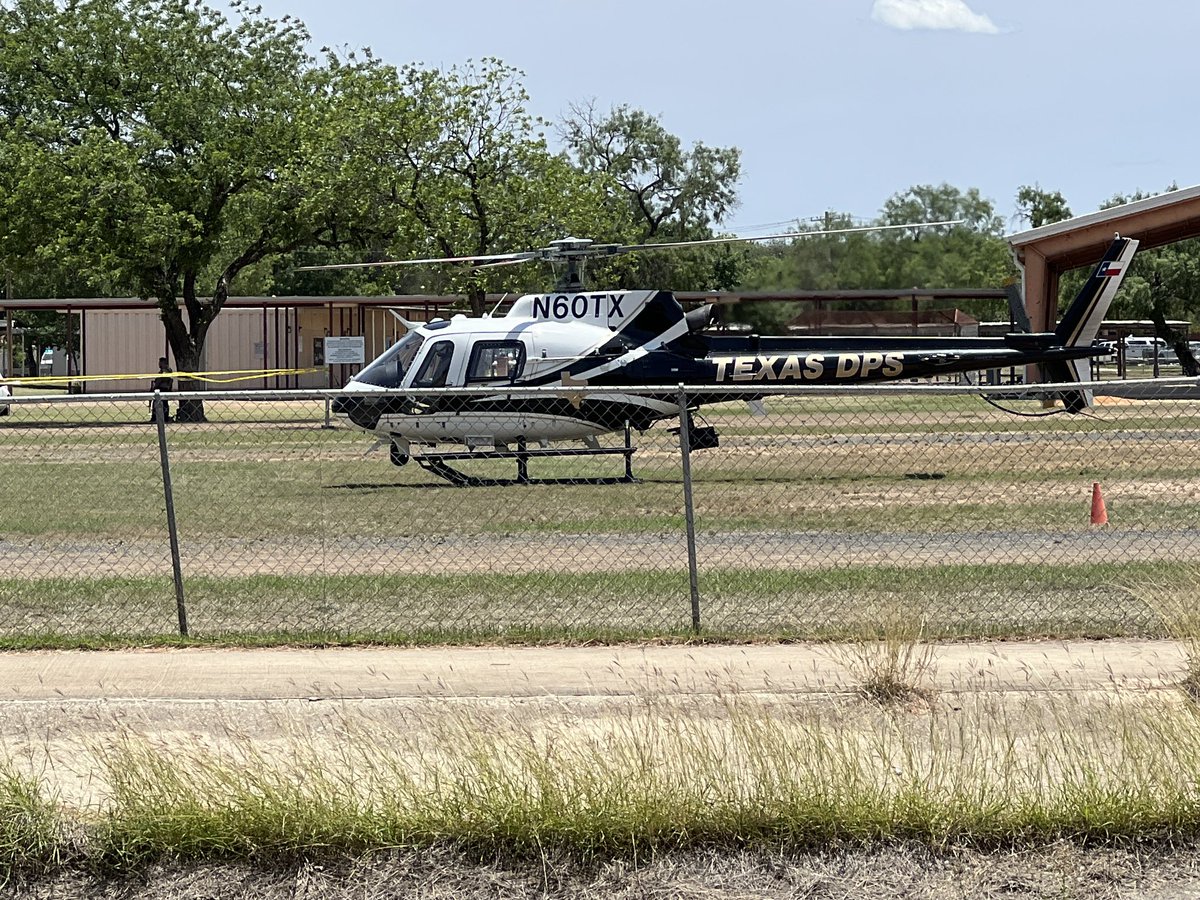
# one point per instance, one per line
(388, 370)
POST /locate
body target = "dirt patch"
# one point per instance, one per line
(1059, 871)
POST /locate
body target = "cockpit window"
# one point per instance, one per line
(496, 361)
(436, 366)
(389, 369)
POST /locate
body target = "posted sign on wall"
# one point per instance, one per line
(345, 350)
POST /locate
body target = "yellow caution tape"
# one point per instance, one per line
(229, 376)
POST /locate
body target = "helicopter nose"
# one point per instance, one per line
(362, 412)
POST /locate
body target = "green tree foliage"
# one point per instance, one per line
(158, 148)
(656, 190)
(942, 203)
(1039, 207)
(666, 189)
(157, 145)
(970, 254)
(458, 167)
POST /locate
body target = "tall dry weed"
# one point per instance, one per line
(889, 657)
(1176, 602)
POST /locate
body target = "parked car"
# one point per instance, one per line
(5, 393)
(1142, 350)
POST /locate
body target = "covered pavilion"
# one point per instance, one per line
(1044, 253)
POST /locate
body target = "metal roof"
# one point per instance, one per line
(407, 301)
(1112, 214)
(1155, 221)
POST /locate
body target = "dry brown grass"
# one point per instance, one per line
(1176, 601)
(890, 658)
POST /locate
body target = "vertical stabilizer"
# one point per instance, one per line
(1081, 323)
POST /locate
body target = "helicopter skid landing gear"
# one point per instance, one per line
(436, 464)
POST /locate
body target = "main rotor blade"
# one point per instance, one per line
(503, 262)
(490, 259)
(554, 254)
(786, 235)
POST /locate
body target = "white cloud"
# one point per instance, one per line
(953, 15)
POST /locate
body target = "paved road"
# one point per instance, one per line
(533, 672)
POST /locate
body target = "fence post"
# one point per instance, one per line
(161, 421)
(689, 511)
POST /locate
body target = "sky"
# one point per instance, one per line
(838, 104)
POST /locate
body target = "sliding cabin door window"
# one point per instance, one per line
(495, 361)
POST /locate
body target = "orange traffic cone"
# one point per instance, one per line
(1099, 513)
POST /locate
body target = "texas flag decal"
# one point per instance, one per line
(1109, 269)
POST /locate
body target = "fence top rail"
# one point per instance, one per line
(1148, 388)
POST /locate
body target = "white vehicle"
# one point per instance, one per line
(5, 393)
(1144, 349)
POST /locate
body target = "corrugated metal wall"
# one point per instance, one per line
(118, 342)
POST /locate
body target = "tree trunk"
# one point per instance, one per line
(1177, 339)
(478, 299)
(187, 345)
(188, 361)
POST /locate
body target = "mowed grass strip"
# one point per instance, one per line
(955, 601)
(302, 497)
(832, 462)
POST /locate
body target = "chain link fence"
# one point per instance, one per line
(812, 513)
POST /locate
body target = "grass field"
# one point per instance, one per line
(955, 601)
(974, 517)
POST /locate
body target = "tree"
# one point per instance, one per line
(658, 191)
(971, 254)
(1038, 207)
(157, 144)
(942, 203)
(668, 189)
(460, 168)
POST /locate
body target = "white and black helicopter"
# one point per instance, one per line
(624, 339)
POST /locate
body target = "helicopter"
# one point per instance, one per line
(411, 395)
